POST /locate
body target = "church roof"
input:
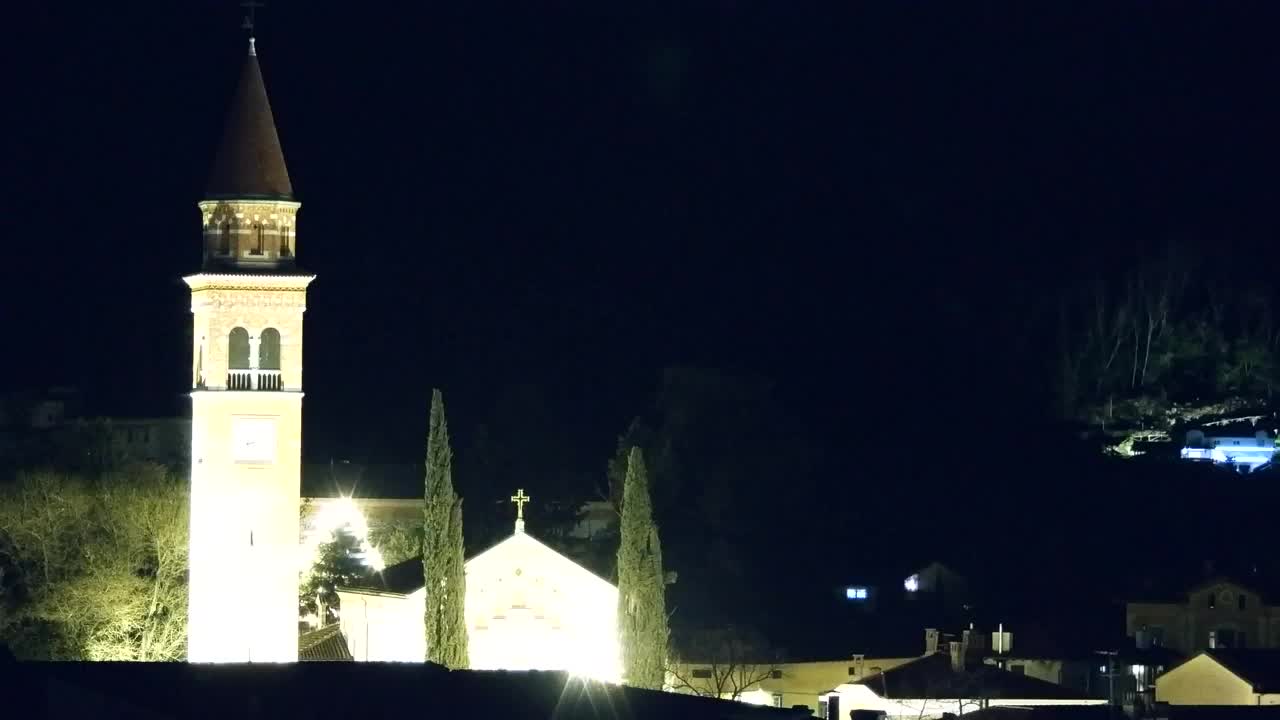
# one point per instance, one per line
(250, 164)
(405, 578)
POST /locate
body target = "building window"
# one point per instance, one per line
(257, 247)
(702, 673)
(822, 709)
(1018, 669)
(1157, 636)
(1240, 601)
(284, 242)
(238, 349)
(1212, 601)
(775, 674)
(269, 350)
(224, 239)
(777, 700)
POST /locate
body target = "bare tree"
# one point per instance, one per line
(723, 663)
(103, 563)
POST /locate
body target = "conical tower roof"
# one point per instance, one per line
(250, 164)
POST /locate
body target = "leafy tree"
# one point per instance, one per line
(442, 549)
(642, 614)
(396, 541)
(339, 561)
(100, 565)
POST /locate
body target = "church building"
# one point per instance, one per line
(527, 608)
(247, 303)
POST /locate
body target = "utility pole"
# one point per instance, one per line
(1110, 655)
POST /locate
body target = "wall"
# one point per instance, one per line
(384, 628)
(1203, 681)
(801, 683)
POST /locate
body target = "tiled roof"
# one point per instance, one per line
(1259, 667)
(326, 644)
(250, 163)
(932, 677)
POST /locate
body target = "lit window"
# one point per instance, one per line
(855, 593)
(777, 700)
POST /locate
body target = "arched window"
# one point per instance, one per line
(284, 241)
(257, 247)
(269, 350)
(224, 239)
(238, 349)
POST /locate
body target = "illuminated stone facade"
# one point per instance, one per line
(246, 401)
(527, 608)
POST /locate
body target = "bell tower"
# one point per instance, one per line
(247, 303)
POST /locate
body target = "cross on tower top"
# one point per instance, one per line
(520, 499)
(251, 6)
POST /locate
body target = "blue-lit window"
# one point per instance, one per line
(855, 593)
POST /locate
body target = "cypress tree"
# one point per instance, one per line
(442, 568)
(642, 611)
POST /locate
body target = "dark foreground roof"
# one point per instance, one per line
(326, 644)
(1258, 667)
(932, 677)
(317, 691)
(1048, 712)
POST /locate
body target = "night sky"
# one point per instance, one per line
(872, 206)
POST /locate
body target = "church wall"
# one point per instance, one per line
(528, 607)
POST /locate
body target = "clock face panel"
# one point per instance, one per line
(253, 440)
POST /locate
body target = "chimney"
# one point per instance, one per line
(930, 641)
(957, 656)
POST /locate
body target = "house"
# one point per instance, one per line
(781, 684)
(1219, 613)
(1243, 452)
(1223, 676)
(945, 682)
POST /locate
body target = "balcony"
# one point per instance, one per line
(252, 379)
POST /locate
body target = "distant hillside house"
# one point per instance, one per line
(1220, 613)
(1243, 453)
